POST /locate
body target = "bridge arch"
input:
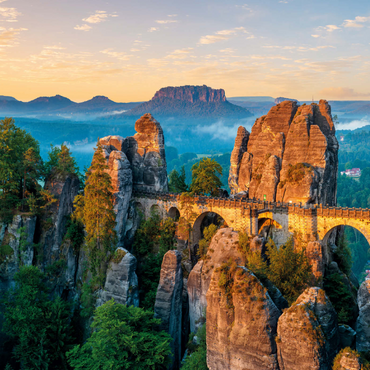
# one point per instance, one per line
(326, 226)
(174, 213)
(200, 224)
(274, 226)
(155, 209)
(140, 209)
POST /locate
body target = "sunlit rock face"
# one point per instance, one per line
(291, 155)
(147, 156)
(241, 324)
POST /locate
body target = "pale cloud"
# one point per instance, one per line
(341, 93)
(54, 47)
(329, 28)
(221, 35)
(172, 15)
(227, 51)
(9, 14)
(98, 17)
(117, 55)
(245, 7)
(157, 63)
(179, 54)
(152, 29)
(355, 23)
(315, 36)
(167, 21)
(84, 27)
(9, 37)
(299, 48)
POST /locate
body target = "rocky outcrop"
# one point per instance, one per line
(315, 252)
(241, 322)
(188, 103)
(119, 169)
(363, 320)
(147, 156)
(292, 155)
(168, 303)
(307, 334)
(224, 246)
(192, 94)
(240, 147)
(348, 359)
(121, 282)
(17, 248)
(53, 222)
(281, 99)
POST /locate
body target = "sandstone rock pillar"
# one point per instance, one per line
(168, 303)
(363, 320)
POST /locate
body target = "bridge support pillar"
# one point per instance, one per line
(254, 222)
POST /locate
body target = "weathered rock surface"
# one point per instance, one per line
(168, 303)
(308, 335)
(346, 335)
(315, 252)
(240, 147)
(241, 327)
(16, 240)
(224, 245)
(363, 320)
(192, 94)
(348, 360)
(119, 169)
(55, 218)
(147, 156)
(292, 155)
(121, 282)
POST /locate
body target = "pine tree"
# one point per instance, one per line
(66, 163)
(95, 209)
(177, 183)
(206, 177)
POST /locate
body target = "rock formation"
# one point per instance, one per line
(147, 156)
(16, 243)
(241, 323)
(307, 333)
(224, 246)
(315, 252)
(54, 219)
(168, 303)
(363, 320)
(346, 335)
(121, 177)
(190, 102)
(348, 359)
(121, 282)
(291, 155)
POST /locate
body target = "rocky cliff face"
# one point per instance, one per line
(16, 242)
(224, 246)
(291, 155)
(241, 323)
(363, 320)
(168, 303)
(191, 94)
(190, 102)
(121, 282)
(307, 334)
(53, 222)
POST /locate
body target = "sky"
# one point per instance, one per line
(127, 50)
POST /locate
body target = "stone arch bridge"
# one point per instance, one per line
(315, 222)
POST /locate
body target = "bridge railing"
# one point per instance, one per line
(263, 206)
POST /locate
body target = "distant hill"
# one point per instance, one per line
(7, 98)
(59, 106)
(191, 102)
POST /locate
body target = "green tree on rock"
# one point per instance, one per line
(123, 337)
(95, 210)
(177, 183)
(206, 177)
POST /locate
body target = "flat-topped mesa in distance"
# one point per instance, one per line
(190, 102)
(291, 156)
(191, 94)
